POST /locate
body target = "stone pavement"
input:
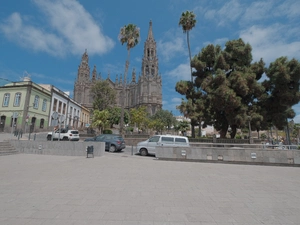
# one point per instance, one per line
(133, 190)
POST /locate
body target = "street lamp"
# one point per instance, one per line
(249, 123)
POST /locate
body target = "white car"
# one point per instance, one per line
(64, 135)
(148, 146)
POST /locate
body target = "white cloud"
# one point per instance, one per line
(173, 46)
(257, 11)
(73, 30)
(181, 72)
(270, 42)
(29, 37)
(228, 13)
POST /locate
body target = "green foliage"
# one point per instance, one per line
(115, 116)
(165, 117)
(107, 132)
(100, 119)
(281, 91)
(187, 21)
(129, 34)
(156, 124)
(238, 136)
(263, 136)
(182, 126)
(226, 92)
(139, 117)
(103, 95)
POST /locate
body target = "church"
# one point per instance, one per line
(146, 90)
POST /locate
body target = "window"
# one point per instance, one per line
(181, 141)
(154, 139)
(167, 139)
(42, 123)
(17, 99)
(54, 105)
(36, 102)
(64, 108)
(44, 107)
(59, 106)
(6, 99)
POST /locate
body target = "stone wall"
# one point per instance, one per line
(233, 155)
(66, 148)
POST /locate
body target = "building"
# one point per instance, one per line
(146, 91)
(64, 111)
(32, 107)
(25, 106)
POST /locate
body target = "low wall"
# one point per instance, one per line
(237, 155)
(66, 148)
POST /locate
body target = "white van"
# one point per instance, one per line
(148, 146)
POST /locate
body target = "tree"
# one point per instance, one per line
(138, 116)
(182, 126)
(157, 124)
(103, 95)
(114, 116)
(187, 22)
(100, 119)
(129, 34)
(281, 91)
(226, 88)
(165, 117)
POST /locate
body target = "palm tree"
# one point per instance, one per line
(100, 119)
(187, 22)
(129, 34)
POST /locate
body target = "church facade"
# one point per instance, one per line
(146, 90)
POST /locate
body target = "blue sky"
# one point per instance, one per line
(46, 38)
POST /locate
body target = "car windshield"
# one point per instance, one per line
(154, 139)
(100, 138)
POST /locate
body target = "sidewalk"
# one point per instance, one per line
(132, 190)
(10, 136)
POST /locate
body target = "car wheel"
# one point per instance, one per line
(112, 148)
(49, 138)
(143, 152)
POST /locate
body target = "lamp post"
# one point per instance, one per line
(249, 124)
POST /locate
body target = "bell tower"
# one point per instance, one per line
(150, 80)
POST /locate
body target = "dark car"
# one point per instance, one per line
(113, 142)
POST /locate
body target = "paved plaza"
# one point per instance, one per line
(120, 188)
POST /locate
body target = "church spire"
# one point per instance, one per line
(150, 34)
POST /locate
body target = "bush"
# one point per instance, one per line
(238, 136)
(107, 132)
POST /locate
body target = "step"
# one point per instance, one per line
(7, 149)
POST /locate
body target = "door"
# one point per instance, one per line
(2, 123)
(32, 124)
(152, 143)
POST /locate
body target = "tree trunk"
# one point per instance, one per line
(124, 95)
(188, 43)
(233, 131)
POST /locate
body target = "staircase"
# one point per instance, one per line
(7, 149)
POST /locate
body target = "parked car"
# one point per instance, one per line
(113, 142)
(64, 135)
(148, 146)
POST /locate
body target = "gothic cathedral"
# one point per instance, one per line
(147, 91)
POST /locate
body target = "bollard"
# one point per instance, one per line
(132, 150)
(34, 136)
